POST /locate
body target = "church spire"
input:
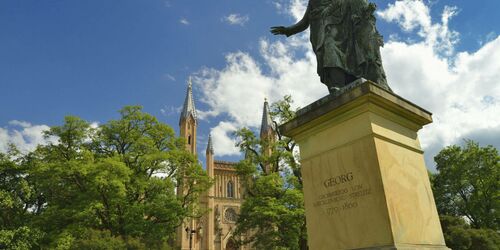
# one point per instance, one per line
(210, 147)
(267, 135)
(188, 109)
(267, 123)
(187, 121)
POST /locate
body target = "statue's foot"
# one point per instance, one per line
(356, 82)
(333, 90)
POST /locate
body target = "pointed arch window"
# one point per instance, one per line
(230, 189)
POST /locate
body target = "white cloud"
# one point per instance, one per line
(24, 135)
(184, 21)
(238, 91)
(488, 38)
(464, 98)
(171, 110)
(236, 19)
(461, 89)
(223, 140)
(22, 124)
(169, 77)
(293, 8)
(297, 8)
(94, 125)
(414, 15)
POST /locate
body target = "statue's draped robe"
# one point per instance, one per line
(343, 35)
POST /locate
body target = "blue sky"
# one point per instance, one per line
(90, 58)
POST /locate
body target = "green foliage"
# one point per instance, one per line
(272, 215)
(111, 187)
(467, 184)
(101, 240)
(276, 217)
(20, 238)
(460, 236)
(16, 193)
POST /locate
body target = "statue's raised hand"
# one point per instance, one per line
(280, 30)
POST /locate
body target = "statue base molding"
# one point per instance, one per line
(365, 181)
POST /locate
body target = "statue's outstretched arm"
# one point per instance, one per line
(302, 25)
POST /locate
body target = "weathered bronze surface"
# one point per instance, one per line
(345, 40)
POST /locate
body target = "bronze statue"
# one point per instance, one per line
(344, 39)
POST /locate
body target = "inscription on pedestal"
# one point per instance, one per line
(343, 194)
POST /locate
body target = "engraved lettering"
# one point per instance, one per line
(343, 178)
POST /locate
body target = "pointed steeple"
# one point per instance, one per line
(188, 108)
(267, 135)
(267, 123)
(210, 147)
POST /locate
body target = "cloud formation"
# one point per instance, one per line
(169, 77)
(171, 110)
(413, 16)
(236, 19)
(238, 91)
(460, 88)
(24, 135)
(184, 21)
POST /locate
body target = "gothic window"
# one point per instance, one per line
(189, 140)
(230, 189)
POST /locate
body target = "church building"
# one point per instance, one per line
(214, 230)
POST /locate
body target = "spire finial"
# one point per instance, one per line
(188, 108)
(267, 123)
(210, 147)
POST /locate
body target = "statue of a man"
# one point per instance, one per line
(344, 39)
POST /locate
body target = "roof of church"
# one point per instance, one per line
(188, 108)
(267, 123)
(224, 165)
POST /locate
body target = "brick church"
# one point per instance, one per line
(214, 230)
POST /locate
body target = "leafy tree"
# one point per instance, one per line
(102, 239)
(272, 215)
(115, 182)
(466, 194)
(460, 236)
(17, 197)
(20, 238)
(467, 184)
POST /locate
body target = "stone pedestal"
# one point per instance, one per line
(365, 181)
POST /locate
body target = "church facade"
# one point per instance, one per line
(223, 200)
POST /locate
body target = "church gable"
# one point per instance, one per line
(227, 183)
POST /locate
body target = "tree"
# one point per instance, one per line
(460, 236)
(17, 197)
(466, 194)
(115, 182)
(272, 215)
(467, 184)
(20, 238)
